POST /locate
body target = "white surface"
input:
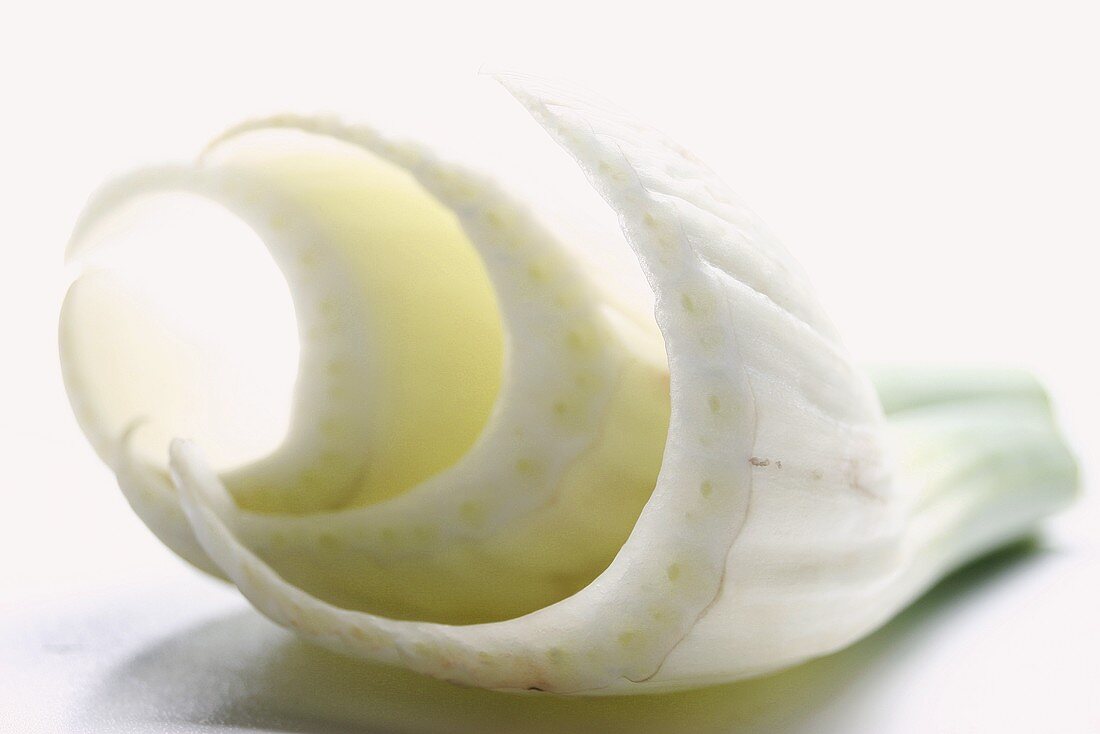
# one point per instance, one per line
(934, 170)
(997, 648)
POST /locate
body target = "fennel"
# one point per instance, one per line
(502, 471)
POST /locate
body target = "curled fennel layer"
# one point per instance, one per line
(502, 471)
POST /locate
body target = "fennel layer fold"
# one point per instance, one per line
(505, 472)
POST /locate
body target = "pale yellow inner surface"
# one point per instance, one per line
(436, 339)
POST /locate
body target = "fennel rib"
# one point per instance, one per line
(593, 500)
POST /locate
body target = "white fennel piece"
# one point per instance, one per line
(503, 471)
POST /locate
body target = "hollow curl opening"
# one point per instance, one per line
(298, 306)
(180, 323)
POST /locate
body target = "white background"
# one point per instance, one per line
(934, 166)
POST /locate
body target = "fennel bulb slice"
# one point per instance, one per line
(503, 472)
